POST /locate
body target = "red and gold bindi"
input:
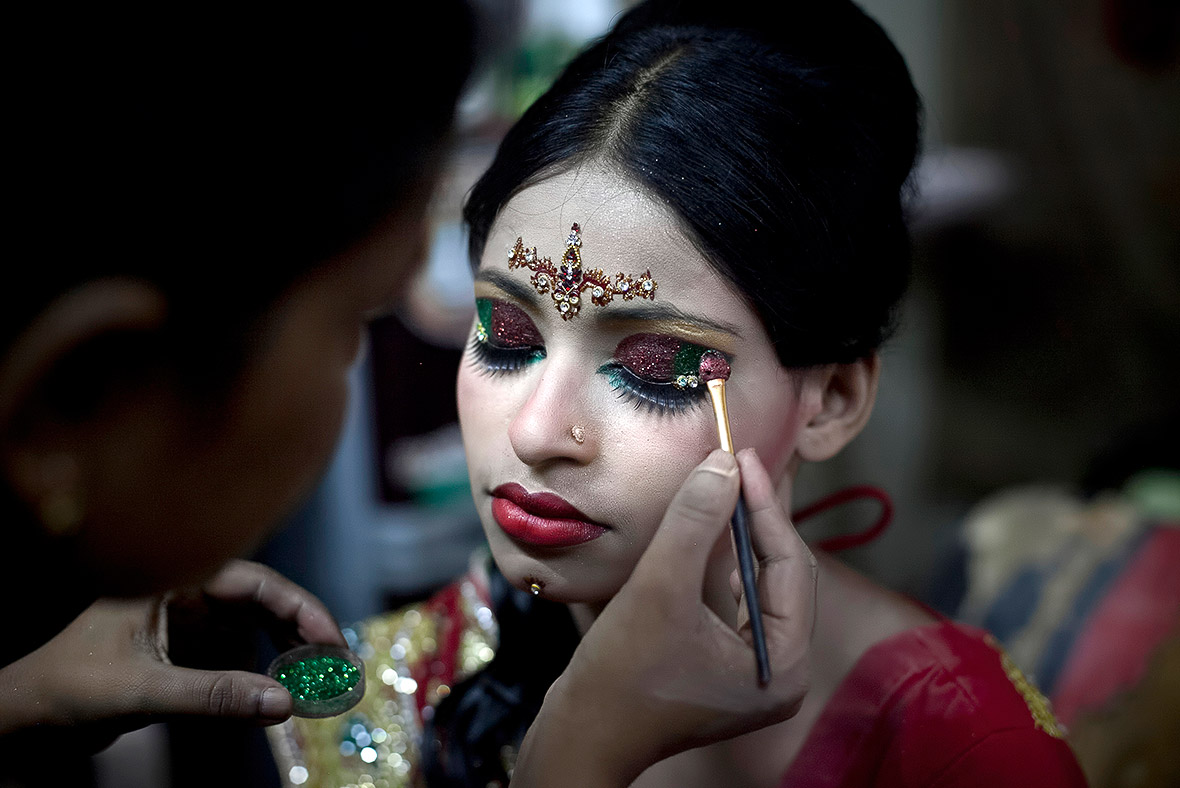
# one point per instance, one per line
(568, 282)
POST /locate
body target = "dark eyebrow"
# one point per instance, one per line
(510, 285)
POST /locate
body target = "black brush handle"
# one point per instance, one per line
(745, 554)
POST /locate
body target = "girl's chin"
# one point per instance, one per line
(563, 586)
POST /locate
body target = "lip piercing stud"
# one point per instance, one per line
(535, 589)
(578, 433)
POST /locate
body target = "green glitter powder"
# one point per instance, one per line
(319, 678)
(483, 306)
(687, 360)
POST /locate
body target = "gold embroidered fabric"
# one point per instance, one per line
(1038, 704)
(377, 743)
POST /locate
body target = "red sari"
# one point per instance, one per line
(937, 706)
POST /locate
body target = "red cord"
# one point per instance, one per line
(847, 541)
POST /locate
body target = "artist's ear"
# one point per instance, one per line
(87, 347)
(838, 399)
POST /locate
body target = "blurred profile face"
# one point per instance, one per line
(188, 485)
(575, 515)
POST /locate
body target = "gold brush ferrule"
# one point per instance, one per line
(720, 412)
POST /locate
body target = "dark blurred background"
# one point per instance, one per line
(1040, 342)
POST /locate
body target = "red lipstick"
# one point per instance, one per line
(541, 519)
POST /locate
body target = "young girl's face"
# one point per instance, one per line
(577, 435)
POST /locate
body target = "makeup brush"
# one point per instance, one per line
(714, 371)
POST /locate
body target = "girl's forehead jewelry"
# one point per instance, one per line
(568, 282)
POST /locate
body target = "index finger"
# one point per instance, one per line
(249, 582)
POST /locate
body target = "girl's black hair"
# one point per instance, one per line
(782, 140)
(472, 737)
(782, 145)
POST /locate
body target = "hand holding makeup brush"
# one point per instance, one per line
(665, 666)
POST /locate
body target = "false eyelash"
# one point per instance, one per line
(499, 360)
(656, 397)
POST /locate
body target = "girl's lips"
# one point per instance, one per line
(541, 519)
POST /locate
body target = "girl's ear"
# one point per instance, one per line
(839, 400)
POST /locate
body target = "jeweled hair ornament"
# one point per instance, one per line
(568, 282)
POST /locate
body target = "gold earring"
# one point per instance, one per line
(60, 508)
(61, 511)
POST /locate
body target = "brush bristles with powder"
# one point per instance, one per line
(713, 372)
(713, 367)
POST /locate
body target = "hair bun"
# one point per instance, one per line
(830, 36)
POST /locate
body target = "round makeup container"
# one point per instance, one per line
(323, 680)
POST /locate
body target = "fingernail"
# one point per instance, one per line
(720, 461)
(274, 704)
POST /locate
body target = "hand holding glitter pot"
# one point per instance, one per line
(124, 663)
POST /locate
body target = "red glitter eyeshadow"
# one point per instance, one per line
(511, 327)
(648, 355)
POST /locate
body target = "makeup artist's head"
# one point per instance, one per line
(210, 208)
(759, 178)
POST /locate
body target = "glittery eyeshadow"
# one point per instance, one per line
(483, 307)
(507, 324)
(650, 356)
(318, 678)
(688, 359)
(512, 327)
(659, 357)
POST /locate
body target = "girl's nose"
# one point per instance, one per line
(554, 423)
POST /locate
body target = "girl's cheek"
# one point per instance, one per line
(470, 391)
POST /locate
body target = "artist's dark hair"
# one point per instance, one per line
(218, 156)
(782, 141)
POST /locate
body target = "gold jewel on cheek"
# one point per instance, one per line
(568, 282)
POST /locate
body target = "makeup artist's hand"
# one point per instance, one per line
(659, 672)
(117, 667)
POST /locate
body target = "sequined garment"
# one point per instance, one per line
(412, 658)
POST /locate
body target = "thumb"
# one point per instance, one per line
(233, 694)
(699, 512)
